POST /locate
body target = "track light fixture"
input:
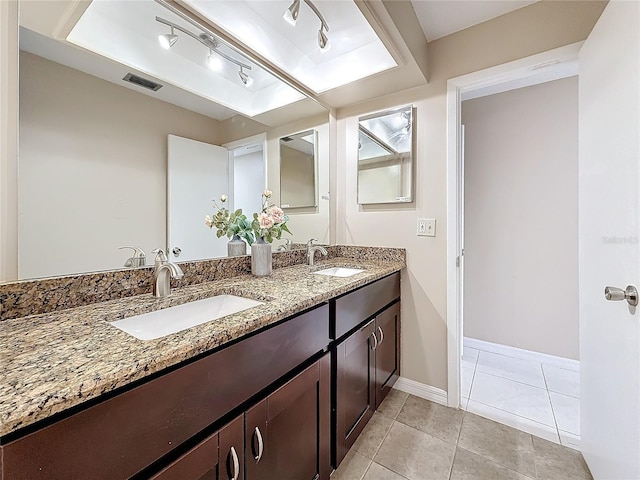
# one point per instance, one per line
(291, 16)
(246, 79)
(214, 59)
(323, 40)
(167, 40)
(291, 13)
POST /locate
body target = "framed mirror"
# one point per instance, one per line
(298, 179)
(385, 156)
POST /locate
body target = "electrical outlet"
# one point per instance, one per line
(426, 227)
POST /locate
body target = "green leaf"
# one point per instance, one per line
(238, 212)
(219, 233)
(286, 229)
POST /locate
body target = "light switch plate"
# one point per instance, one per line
(426, 227)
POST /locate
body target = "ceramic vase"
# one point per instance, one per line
(261, 258)
(236, 247)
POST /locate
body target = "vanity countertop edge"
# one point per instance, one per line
(56, 361)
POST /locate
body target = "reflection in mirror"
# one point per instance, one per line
(298, 170)
(94, 154)
(385, 157)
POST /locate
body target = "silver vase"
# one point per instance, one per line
(261, 258)
(236, 247)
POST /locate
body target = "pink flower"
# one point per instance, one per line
(276, 214)
(265, 220)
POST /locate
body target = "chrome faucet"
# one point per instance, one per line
(312, 249)
(286, 246)
(163, 273)
(137, 259)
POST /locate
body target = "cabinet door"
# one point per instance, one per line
(387, 351)
(256, 446)
(298, 424)
(231, 458)
(199, 463)
(355, 387)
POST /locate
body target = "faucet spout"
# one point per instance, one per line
(312, 249)
(163, 273)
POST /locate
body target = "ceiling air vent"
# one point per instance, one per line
(142, 82)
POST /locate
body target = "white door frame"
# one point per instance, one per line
(260, 138)
(519, 73)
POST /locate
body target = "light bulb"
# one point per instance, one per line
(214, 62)
(167, 40)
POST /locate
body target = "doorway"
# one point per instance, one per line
(474, 88)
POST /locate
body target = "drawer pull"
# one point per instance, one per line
(375, 341)
(381, 336)
(258, 435)
(236, 464)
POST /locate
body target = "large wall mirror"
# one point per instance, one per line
(298, 170)
(94, 148)
(385, 157)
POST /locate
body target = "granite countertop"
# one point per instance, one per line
(55, 361)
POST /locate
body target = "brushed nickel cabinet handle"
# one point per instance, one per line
(381, 336)
(375, 341)
(236, 464)
(258, 435)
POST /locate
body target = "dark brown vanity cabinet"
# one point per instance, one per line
(367, 359)
(286, 436)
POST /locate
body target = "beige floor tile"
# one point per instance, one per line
(504, 445)
(556, 461)
(353, 467)
(415, 454)
(436, 420)
(470, 466)
(378, 472)
(392, 404)
(372, 436)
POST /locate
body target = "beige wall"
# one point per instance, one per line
(93, 159)
(304, 223)
(8, 140)
(297, 177)
(521, 218)
(533, 29)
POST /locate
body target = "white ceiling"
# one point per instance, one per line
(440, 18)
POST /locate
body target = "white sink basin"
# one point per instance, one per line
(160, 323)
(339, 271)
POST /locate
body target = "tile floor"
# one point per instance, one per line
(410, 438)
(540, 399)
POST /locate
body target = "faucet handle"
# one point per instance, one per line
(137, 251)
(161, 257)
(310, 242)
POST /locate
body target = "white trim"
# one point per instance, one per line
(421, 390)
(522, 354)
(511, 71)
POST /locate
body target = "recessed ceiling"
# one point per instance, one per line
(440, 18)
(127, 32)
(356, 51)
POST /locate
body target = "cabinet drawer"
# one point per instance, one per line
(355, 307)
(120, 436)
(199, 463)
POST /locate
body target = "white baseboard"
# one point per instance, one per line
(552, 360)
(421, 390)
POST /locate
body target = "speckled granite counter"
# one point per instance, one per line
(55, 361)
